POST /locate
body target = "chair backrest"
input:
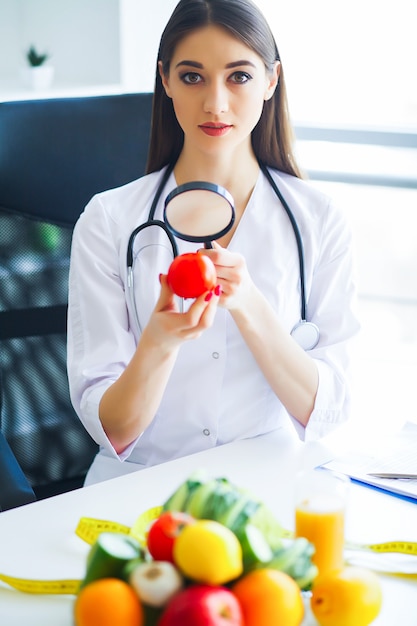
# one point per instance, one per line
(54, 156)
(15, 489)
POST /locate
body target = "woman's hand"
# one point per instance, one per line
(129, 405)
(169, 328)
(232, 276)
(290, 371)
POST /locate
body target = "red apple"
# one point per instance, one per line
(202, 605)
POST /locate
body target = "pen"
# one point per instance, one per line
(393, 475)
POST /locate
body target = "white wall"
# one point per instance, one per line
(142, 24)
(83, 38)
(91, 42)
(9, 40)
(350, 62)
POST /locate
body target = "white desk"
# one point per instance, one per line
(38, 541)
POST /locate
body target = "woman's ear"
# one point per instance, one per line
(272, 81)
(164, 79)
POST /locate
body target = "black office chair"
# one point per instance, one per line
(54, 156)
(15, 489)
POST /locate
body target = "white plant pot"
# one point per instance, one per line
(38, 78)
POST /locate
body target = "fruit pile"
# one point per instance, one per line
(213, 557)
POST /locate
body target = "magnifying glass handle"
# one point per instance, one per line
(208, 245)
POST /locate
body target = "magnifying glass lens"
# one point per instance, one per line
(199, 212)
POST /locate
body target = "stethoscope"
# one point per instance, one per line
(305, 333)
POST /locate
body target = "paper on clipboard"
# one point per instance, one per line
(398, 454)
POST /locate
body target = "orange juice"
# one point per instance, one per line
(321, 520)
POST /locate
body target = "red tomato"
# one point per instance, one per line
(191, 274)
(163, 533)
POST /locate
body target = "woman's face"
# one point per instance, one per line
(218, 87)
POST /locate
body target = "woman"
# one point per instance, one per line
(152, 382)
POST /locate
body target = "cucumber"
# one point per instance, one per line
(109, 555)
(285, 558)
(258, 531)
(305, 582)
(267, 523)
(179, 499)
(255, 548)
(295, 560)
(242, 514)
(152, 616)
(215, 499)
(196, 503)
(220, 501)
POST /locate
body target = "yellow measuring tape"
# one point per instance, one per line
(88, 529)
(398, 547)
(50, 587)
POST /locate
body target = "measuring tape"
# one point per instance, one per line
(40, 587)
(88, 529)
(397, 547)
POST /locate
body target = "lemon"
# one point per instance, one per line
(208, 552)
(351, 596)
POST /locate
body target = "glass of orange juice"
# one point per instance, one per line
(320, 510)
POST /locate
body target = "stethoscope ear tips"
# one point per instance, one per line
(306, 334)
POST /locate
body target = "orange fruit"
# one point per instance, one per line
(108, 602)
(351, 596)
(268, 596)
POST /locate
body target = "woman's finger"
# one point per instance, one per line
(201, 312)
(166, 300)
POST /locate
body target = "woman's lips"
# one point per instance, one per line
(215, 130)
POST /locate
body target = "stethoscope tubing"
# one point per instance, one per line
(297, 235)
(138, 229)
(310, 328)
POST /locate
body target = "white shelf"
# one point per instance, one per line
(60, 91)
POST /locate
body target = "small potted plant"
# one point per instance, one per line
(39, 74)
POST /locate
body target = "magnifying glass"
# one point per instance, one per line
(200, 212)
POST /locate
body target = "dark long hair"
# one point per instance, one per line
(272, 138)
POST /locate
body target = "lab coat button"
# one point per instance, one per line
(206, 432)
(215, 355)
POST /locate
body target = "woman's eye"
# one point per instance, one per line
(191, 78)
(241, 77)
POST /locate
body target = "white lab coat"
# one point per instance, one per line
(216, 392)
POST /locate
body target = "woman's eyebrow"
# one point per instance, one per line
(200, 66)
(190, 64)
(240, 63)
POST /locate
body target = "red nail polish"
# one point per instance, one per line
(218, 290)
(208, 296)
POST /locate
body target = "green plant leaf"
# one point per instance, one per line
(35, 59)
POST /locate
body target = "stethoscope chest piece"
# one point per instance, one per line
(306, 334)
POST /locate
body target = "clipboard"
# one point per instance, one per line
(395, 456)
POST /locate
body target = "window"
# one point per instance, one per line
(350, 71)
(348, 63)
